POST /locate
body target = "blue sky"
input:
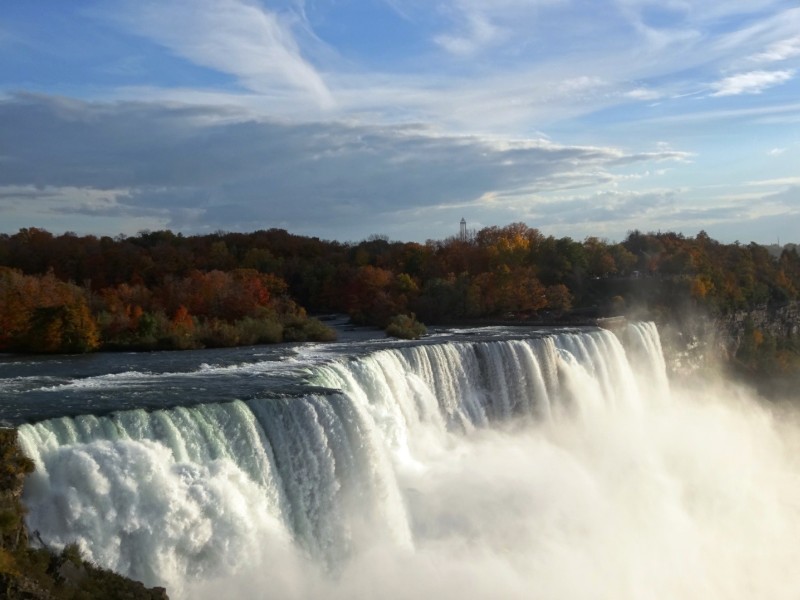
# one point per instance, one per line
(347, 118)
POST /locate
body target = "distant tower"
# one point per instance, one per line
(463, 234)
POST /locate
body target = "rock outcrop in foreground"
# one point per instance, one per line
(28, 573)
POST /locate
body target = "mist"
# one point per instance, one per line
(696, 498)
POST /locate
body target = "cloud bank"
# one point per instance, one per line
(204, 168)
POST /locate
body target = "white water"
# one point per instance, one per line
(561, 467)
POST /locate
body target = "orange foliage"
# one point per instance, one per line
(44, 314)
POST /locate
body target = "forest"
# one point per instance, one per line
(162, 290)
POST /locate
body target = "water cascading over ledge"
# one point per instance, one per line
(260, 489)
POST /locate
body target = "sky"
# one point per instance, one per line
(344, 119)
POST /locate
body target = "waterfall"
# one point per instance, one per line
(361, 466)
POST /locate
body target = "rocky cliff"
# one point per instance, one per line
(781, 322)
(761, 345)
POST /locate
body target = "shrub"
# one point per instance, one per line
(215, 333)
(259, 331)
(406, 327)
(304, 330)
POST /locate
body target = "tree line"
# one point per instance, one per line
(165, 290)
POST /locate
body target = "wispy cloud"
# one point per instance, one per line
(780, 182)
(477, 32)
(644, 94)
(235, 37)
(779, 51)
(474, 25)
(541, 72)
(753, 82)
(778, 113)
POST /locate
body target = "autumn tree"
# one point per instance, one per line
(599, 259)
(44, 314)
(16, 305)
(65, 328)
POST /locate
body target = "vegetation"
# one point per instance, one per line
(41, 313)
(761, 353)
(406, 327)
(72, 293)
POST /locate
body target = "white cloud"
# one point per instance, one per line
(753, 82)
(643, 94)
(779, 182)
(779, 51)
(475, 25)
(478, 33)
(231, 36)
(531, 63)
(779, 113)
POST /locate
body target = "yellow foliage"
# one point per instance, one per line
(701, 287)
(8, 564)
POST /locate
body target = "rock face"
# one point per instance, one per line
(37, 573)
(779, 322)
(13, 469)
(699, 340)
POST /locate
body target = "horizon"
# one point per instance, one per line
(353, 119)
(375, 236)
